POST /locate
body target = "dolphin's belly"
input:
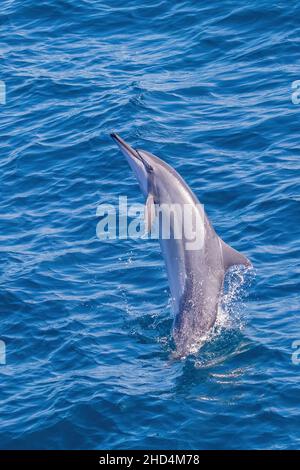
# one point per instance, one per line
(197, 313)
(194, 267)
(198, 306)
(173, 255)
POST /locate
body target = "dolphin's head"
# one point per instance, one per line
(153, 174)
(142, 164)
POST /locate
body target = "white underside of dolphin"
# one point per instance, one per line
(195, 276)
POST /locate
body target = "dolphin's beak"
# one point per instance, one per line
(124, 146)
(137, 163)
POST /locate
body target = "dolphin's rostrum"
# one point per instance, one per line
(195, 275)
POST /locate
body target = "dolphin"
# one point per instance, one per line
(196, 276)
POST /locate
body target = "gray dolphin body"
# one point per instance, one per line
(195, 276)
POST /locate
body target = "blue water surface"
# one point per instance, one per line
(86, 323)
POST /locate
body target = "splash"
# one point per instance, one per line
(232, 307)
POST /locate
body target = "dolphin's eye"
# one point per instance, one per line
(148, 167)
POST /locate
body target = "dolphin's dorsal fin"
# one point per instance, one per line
(149, 213)
(232, 257)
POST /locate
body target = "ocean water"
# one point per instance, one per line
(86, 323)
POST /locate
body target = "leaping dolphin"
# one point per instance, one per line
(195, 276)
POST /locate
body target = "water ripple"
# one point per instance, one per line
(87, 323)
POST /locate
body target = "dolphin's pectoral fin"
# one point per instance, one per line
(231, 257)
(149, 213)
